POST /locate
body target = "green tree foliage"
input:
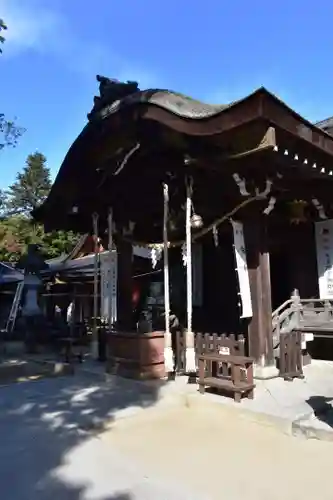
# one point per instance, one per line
(3, 198)
(17, 228)
(11, 241)
(3, 27)
(9, 131)
(31, 186)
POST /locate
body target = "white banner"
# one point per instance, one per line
(324, 247)
(242, 270)
(108, 267)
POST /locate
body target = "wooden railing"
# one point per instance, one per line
(284, 318)
(290, 361)
(297, 313)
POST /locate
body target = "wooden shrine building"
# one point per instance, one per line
(254, 161)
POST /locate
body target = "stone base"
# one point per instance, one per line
(265, 372)
(136, 355)
(190, 363)
(306, 358)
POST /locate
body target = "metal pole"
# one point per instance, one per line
(94, 345)
(168, 354)
(190, 352)
(110, 274)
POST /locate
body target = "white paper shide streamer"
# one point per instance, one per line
(156, 253)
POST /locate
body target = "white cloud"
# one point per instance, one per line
(30, 27)
(34, 27)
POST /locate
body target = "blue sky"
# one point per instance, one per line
(214, 50)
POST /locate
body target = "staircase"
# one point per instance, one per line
(302, 314)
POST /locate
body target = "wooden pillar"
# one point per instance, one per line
(301, 246)
(124, 288)
(260, 326)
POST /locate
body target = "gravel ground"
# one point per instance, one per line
(51, 448)
(223, 456)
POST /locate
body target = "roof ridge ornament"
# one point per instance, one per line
(110, 91)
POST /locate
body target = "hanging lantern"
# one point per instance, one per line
(196, 221)
(297, 214)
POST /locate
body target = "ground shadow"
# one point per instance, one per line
(48, 432)
(322, 408)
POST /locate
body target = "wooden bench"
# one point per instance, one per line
(229, 373)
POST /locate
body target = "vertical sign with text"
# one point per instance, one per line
(242, 269)
(109, 285)
(324, 247)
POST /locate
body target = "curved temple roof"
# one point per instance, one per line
(113, 124)
(326, 125)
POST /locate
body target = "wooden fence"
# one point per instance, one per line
(207, 342)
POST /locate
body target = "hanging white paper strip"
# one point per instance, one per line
(324, 246)
(242, 270)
